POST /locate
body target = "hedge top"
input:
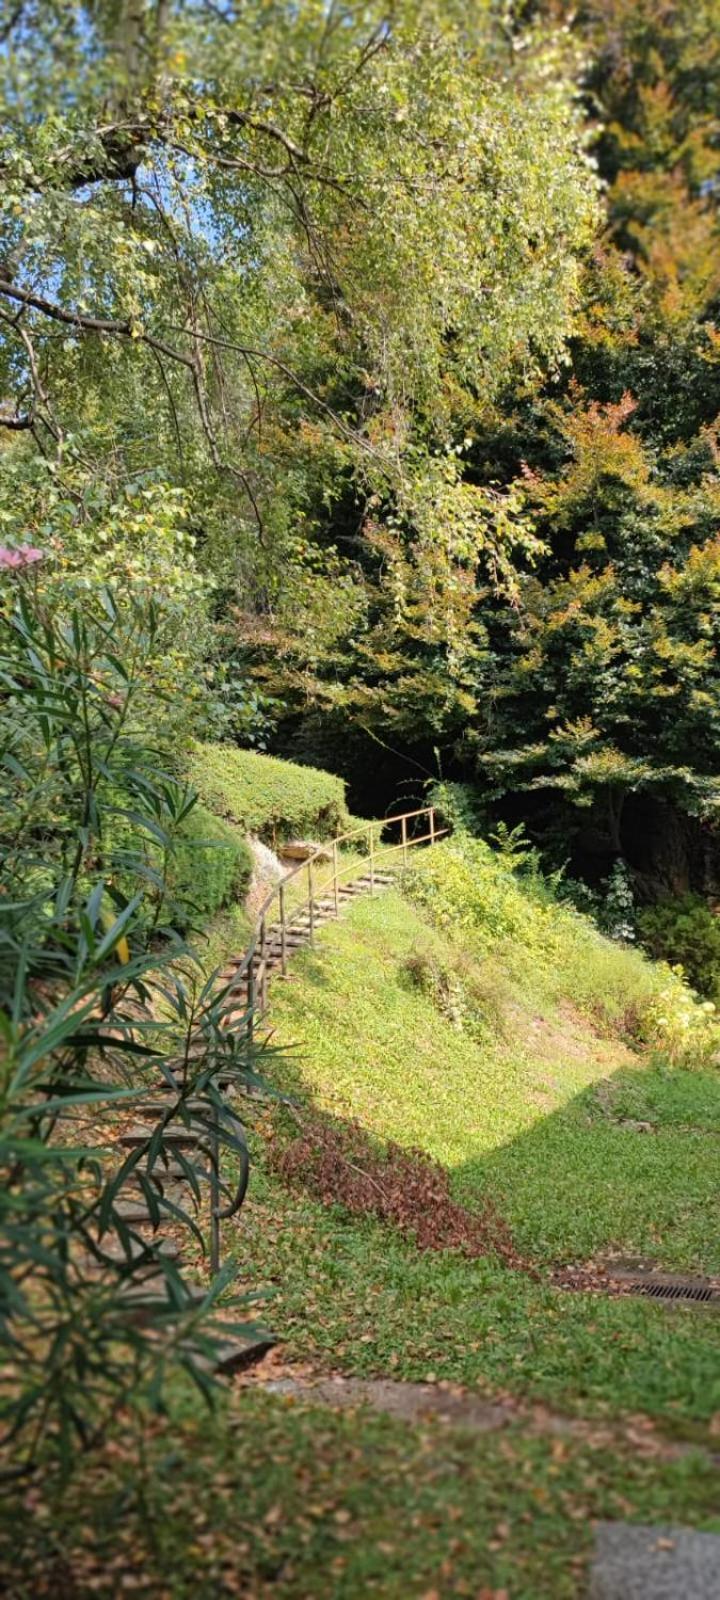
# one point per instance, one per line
(274, 799)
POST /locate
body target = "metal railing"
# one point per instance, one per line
(284, 921)
(323, 894)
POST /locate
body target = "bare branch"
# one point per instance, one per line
(82, 322)
(16, 424)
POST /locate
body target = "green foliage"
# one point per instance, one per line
(686, 933)
(467, 888)
(211, 865)
(275, 799)
(90, 1013)
(617, 914)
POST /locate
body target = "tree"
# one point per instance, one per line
(296, 238)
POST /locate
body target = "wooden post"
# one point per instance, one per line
(336, 885)
(312, 906)
(283, 948)
(372, 860)
(432, 825)
(214, 1195)
(263, 967)
(250, 1002)
(403, 829)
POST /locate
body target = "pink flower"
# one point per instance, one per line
(23, 557)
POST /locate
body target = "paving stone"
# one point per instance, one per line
(654, 1563)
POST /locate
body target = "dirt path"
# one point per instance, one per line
(454, 1407)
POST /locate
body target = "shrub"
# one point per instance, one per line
(685, 932)
(471, 891)
(274, 799)
(211, 865)
(91, 1016)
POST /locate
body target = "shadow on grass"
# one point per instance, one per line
(631, 1164)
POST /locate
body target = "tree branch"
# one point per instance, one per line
(83, 322)
(16, 424)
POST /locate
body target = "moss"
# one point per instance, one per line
(274, 799)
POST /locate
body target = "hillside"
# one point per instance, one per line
(532, 1057)
(566, 1088)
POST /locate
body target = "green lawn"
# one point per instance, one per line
(530, 1109)
(536, 1117)
(271, 1499)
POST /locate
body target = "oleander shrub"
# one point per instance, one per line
(94, 1008)
(271, 798)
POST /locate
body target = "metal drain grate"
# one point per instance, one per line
(654, 1287)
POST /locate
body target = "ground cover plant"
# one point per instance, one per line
(345, 1505)
(527, 1082)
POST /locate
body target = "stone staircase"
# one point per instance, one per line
(187, 1144)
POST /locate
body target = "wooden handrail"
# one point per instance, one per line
(278, 895)
(253, 969)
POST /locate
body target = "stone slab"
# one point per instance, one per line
(654, 1563)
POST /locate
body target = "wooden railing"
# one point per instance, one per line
(281, 914)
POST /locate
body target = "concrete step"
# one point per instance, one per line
(115, 1251)
(235, 1354)
(175, 1135)
(161, 1102)
(167, 1177)
(148, 1295)
(135, 1210)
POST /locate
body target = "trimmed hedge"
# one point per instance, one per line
(275, 799)
(211, 865)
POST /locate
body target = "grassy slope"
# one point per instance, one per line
(535, 1119)
(526, 1100)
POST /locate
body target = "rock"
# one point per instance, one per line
(268, 870)
(654, 1563)
(302, 849)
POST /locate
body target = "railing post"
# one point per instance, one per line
(283, 948)
(263, 966)
(372, 860)
(251, 1002)
(432, 825)
(214, 1195)
(336, 886)
(312, 906)
(403, 830)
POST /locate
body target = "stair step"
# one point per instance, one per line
(180, 1137)
(235, 1354)
(165, 1180)
(151, 1295)
(137, 1247)
(134, 1210)
(158, 1105)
